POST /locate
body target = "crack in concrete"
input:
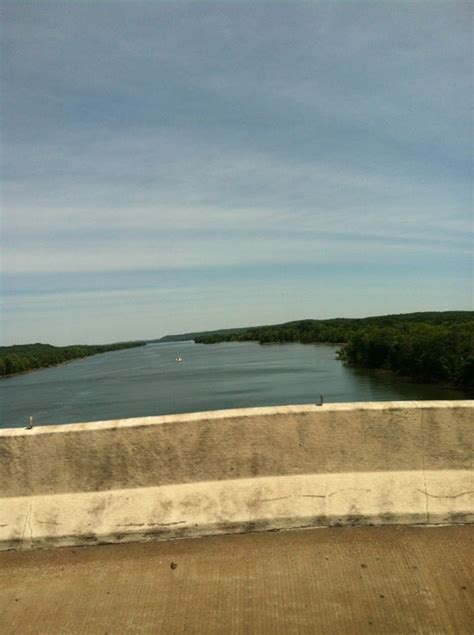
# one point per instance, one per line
(446, 495)
(427, 511)
(47, 522)
(180, 522)
(345, 489)
(337, 491)
(269, 500)
(27, 523)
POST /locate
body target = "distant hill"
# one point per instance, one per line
(192, 336)
(310, 327)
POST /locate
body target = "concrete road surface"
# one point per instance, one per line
(338, 580)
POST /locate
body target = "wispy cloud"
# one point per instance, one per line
(196, 137)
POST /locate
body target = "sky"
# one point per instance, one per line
(183, 166)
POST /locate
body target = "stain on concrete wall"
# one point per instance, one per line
(237, 444)
(234, 470)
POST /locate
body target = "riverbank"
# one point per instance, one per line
(33, 370)
(19, 359)
(383, 372)
(435, 347)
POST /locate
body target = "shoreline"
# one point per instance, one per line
(463, 393)
(386, 371)
(32, 370)
(67, 361)
(413, 380)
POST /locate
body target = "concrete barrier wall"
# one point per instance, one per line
(237, 470)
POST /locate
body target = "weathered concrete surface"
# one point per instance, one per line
(237, 470)
(339, 580)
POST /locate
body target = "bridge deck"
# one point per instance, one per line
(339, 580)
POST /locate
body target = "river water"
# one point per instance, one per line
(148, 381)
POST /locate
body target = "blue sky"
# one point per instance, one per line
(169, 167)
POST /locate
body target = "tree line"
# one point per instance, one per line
(23, 357)
(431, 346)
(425, 352)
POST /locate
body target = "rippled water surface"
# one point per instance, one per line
(148, 381)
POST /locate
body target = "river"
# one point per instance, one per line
(148, 381)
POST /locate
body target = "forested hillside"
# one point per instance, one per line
(436, 347)
(185, 337)
(20, 358)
